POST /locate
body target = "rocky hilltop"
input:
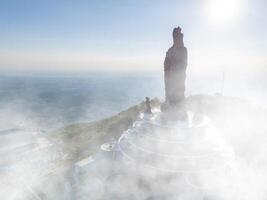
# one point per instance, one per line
(84, 139)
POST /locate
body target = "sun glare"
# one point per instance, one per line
(223, 11)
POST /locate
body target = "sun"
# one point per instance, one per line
(223, 11)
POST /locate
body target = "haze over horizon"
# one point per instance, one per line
(131, 35)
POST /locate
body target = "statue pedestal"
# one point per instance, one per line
(174, 112)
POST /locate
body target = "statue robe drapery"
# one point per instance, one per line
(175, 73)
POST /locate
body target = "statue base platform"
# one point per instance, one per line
(174, 112)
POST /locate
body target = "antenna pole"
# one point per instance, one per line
(223, 80)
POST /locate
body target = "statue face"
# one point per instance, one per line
(177, 32)
(177, 35)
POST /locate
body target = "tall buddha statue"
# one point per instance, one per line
(175, 69)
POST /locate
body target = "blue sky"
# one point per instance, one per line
(129, 34)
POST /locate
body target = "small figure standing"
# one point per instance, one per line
(175, 69)
(148, 107)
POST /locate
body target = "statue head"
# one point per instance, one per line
(178, 36)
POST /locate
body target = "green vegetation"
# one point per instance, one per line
(84, 139)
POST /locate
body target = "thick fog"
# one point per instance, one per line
(217, 152)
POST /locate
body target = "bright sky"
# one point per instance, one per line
(131, 34)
